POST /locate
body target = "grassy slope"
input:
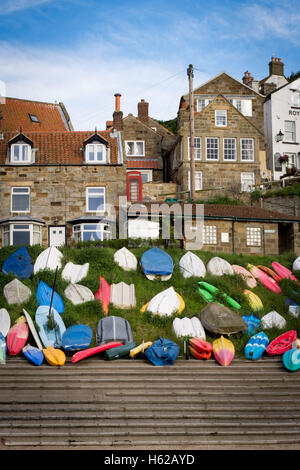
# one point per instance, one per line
(144, 325)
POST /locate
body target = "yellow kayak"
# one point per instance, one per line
(223, 350)
(142, 347)
(253, 299)
(55, 357)
(180, 310)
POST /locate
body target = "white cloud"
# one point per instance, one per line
(10, 6)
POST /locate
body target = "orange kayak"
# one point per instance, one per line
(103, 294)
(270, 272)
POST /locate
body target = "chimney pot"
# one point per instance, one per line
(117, 101)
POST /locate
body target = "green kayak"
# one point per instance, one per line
(208, 291)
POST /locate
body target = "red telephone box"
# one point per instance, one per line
(134, 186)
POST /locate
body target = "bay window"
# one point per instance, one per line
(22, 234)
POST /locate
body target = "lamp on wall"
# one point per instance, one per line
(279, 136)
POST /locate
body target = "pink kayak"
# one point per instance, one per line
(266, 280)
(283, 272)
(17, 336)
(245, 274)
(270, 272)
(78, 356)
(103, 294)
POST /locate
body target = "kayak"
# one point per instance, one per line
(166, 303)
(74, 273)
(4, 321)
(77, 337)
(119, 351)
(33, 354)
(49, 336)
(200, 349)
(78, 356)
(19, 264)
(253, 299)
(3, 349)
(44, 295)
(256, 346)
(252, 322)
(188, 327)
(48, 259)
(265, 280)
(125, 259)
(140, 348)
(214, 290)
(54, 357)
(32, 329)
(103, 294)
(273, 320)
(219, 266)
(156, 262)
(78, 294)
(282, 343)
(283, 272)
(17, 336)
(245, 274)
(191, 265)
(270, 272)
(291, 359)
(223, 350)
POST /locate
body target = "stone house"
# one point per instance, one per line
(229, 147)
(147, 143)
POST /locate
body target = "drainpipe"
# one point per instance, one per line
(232, 233)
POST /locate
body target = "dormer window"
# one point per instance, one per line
(20, 153)
(95, 153)
(34, 118)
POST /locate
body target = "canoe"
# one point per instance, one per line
(200, 349)
(44, 294)
(78, 294)
(191, 265)
(214, 290)
(79, 355)
(17, 336)
(266, 281)
(273, 320)
(33, 329)
(223, 350)
(291, 359)
(15, 292)
(49, 336)
(219, 266)
(245, 274)
(188, 327)
(282, 343)
(256, 346)
(122, 295)
(33, 354)
(253, 299)
(220, 319)
(156, 262)
(166, 303)
(48, 259)
(270, 272)
(54, 357)
(4, 321)
(119, 351)
(77, 337)
(139, 349)
(19, 264)
(283, 272)
(3, 349)
(74, 273)
(252, 322)
(103, 294)
(125, 259)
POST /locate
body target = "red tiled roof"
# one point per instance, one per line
(60, 147)
(153, 164)
(15, 115)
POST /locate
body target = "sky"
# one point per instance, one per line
(82, 52)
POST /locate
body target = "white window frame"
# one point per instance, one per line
(203, 104)
(292, 132)
(217, 148)
(228, 149)
(243, 183)
(88, 227)
(94, 146)
(209, 235)
(101, 192)
(33, 229)
(26, 192)
(198, 178)
(296, 99)
(252, 150)
(135, 142)
(220, 116)
(20, 145)
(253, 236)
(197, 148)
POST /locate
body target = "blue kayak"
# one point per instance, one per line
(19, 264)
(252, 323)
(43, 297)
(33, 354)
(50, 337)
(256, 346)
(3, 349)
(77, 337)
(156, 261)
(291, 359)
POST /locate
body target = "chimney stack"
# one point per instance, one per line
(247, 78)
(143, 108)
(276, 66)
(117, 115)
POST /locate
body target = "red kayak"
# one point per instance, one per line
(17, 336)
(270, 272)
(103, 294)
(78, 356)
(265, 280)
(283, 272)
(282, 343)
(199, 348)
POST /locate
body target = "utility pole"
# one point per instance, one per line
(190, 73)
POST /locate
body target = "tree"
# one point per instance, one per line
(171, 124)
(293, 76)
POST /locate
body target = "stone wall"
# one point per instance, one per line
(289, 205)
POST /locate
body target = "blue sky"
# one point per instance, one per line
(82, 52)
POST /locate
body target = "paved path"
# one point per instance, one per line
(130, 404)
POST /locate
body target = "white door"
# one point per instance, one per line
(57, 236)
